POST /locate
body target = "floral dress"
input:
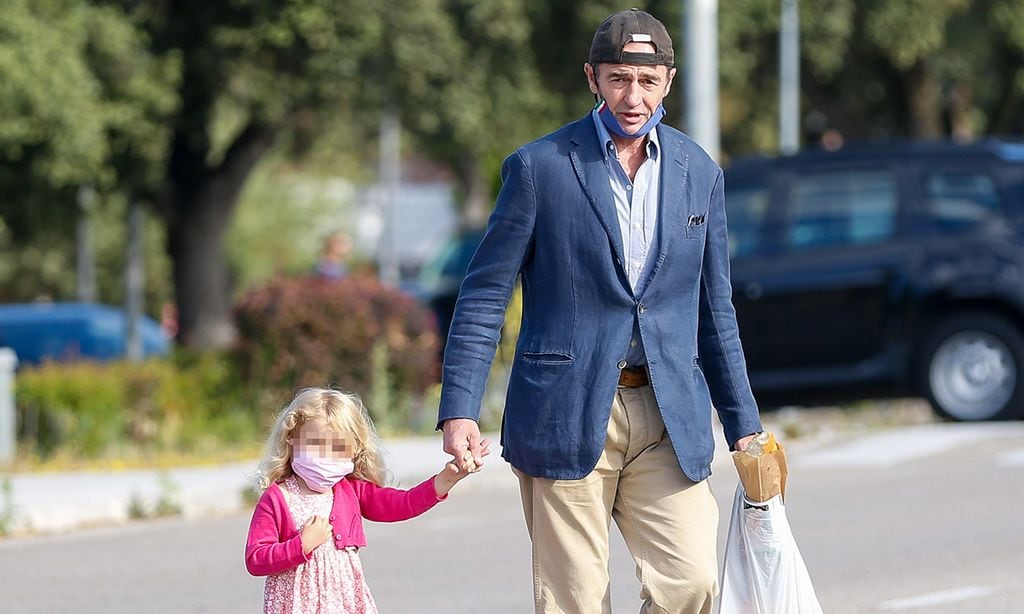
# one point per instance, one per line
(331, 581)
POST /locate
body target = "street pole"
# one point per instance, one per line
(700, 91)
(85, 265)
(8, 421)
(789, 78)
(389, 173)
(134, 284)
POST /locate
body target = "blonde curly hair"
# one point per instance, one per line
(343, 412)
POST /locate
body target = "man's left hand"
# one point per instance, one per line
(742, 443)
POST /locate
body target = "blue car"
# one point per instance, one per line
(73, 331)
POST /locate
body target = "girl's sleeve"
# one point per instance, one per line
(382, 504)
(265, 555)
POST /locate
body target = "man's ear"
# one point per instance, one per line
(668, 84)
(591, 77)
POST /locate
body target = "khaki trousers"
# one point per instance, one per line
(669, 522)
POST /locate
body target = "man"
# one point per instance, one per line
(616, 225)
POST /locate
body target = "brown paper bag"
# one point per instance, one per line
(764, 476)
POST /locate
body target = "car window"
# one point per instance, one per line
(849, 208)
(960, 200)
(746, 206)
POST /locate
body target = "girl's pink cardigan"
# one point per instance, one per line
(275, 544)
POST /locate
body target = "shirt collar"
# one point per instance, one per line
(608, 147)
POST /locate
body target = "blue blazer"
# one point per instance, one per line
(554, 225)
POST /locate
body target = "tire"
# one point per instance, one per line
(972, 368)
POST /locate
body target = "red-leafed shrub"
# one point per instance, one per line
(355, 333)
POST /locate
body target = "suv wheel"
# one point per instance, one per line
(971, 368)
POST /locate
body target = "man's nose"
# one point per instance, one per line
(634, 94)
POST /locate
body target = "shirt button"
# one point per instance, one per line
(629, 188)
(632, 343)
(332, 517)
(642, 308)
(622, 364)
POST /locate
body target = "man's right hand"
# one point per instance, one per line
(461, 435)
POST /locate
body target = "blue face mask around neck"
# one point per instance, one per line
(612, 124)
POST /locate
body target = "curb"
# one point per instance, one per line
(43, 503)
(57, 502)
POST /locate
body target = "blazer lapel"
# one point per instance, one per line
(588, 162)
(672, 199)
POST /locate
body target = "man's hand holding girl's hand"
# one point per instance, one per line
(449, 477)
(316, 532)
(462, 440)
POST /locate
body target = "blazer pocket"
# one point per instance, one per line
(547, 358)
(696, 225)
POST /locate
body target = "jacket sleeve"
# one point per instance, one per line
(484, 295)
(718, 340)
(382, 504)
(265, 554)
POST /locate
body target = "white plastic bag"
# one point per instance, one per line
(764, 572)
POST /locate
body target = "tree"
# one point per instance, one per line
(468, 86)
(82, 103)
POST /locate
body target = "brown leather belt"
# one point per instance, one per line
(633, 377)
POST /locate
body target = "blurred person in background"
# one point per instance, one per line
(616, 225)
(333, 257)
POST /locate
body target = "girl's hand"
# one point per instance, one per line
(449, 476)
(316, 532)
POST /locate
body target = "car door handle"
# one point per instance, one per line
(753, 291)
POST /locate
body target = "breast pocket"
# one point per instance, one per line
(696, 225)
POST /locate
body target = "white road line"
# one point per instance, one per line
(1012, 457)
(937, 598)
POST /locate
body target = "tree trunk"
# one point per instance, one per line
(924, 101)
(961, 103)
(200, 214)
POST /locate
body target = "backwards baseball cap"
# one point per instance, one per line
(632, 26)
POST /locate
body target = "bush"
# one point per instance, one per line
(355, 333)
(92, 410)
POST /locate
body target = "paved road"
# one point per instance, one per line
(912, 519)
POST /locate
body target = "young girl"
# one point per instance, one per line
(322, 473)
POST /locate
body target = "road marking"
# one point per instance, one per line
(940, 597)
(1012, 457)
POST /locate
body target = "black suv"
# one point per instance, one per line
(878, 270)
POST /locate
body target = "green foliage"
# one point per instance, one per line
(167, 503)
(82, 102)
(6, 505)
(286, 216)
(91, 411)
(45, 268)
(354, 333)
(907, 31)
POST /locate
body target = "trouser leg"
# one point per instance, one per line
(669, 523)
(568, 521)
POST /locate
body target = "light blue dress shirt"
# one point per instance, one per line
(636, 206)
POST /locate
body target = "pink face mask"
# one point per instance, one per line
(320, 474)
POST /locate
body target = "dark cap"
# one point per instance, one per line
(632, 26)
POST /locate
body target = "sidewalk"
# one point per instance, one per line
(54, 502)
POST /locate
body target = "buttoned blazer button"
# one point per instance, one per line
(622, 364)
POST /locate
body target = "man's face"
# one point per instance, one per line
(632, 91)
